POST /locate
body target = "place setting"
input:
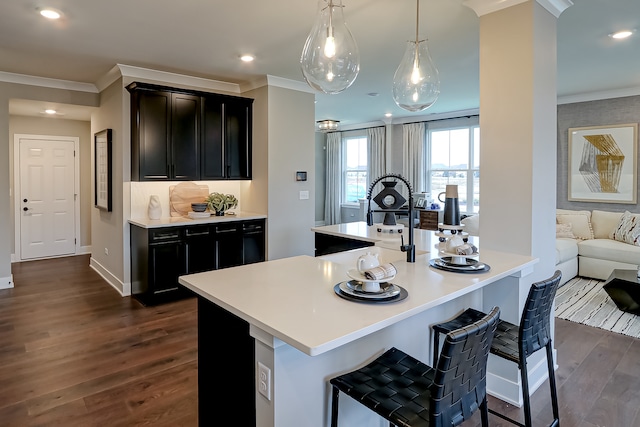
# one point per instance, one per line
(371, 282)
(458, 256)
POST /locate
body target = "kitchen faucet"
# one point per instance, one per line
(393, 208)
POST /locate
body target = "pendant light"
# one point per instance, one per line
(416, 85)
(330, 60)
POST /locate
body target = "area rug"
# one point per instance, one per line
(584, 301)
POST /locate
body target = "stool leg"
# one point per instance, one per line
(484, 413)
(334, 407)
(552, 385)
(525, 390)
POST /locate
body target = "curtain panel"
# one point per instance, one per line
(377, 157)
(334, 169)
(413, 161)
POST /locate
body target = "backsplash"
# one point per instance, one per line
(142, 191)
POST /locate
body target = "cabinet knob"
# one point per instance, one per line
(25, 200)
(25, 209)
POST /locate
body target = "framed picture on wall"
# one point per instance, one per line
(603, 164)
(102, 169)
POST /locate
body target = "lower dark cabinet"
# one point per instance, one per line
(159, 256)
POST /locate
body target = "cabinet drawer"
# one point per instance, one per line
(162, 235)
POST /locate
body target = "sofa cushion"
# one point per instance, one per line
(611, 250)
(603, 223)
(565, 250)
(580, 222)
(628, 229)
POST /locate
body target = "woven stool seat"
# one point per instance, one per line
(410, 393)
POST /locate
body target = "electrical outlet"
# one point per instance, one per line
(264, 381)
(106, 251)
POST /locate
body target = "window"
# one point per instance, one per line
(454, 158)
(355, 173)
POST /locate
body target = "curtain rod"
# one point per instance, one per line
(408, 123)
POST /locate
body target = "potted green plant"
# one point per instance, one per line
(219, 202)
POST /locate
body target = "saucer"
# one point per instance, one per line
(356, 275)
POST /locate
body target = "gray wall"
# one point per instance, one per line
(593, 113)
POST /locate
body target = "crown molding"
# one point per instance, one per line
(484, 7)
(25, 79)
(596, 96)
(275, 81)
(177, 79)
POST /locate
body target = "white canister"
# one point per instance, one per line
(155, 210)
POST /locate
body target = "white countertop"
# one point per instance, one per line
(181, 221)
(293, 298)
(424, 240)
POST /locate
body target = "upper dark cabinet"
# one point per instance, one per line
(226, 141)
(187, 135)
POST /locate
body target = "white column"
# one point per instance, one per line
(518, 135)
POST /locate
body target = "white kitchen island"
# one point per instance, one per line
(285, 316)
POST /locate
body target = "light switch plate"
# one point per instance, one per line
(304, 194)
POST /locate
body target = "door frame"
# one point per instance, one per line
(17, 248)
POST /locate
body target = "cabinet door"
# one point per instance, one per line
(237, 120)
(212, 150)
(253, 241)
(185, 136)
(151, 153)
(166, 263)
(200, 250)
(228, 245)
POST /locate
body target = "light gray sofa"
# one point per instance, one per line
(584, 243)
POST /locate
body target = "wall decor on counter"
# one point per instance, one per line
(102, 169)
(603, 164)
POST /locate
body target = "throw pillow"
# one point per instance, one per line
(628, 230)
(580, 224)
(604, 223)
(564, 231)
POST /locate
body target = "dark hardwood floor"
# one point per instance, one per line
(73, 352)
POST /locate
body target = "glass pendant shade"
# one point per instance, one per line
(416, 85)
(330, 59)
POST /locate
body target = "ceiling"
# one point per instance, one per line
(206, 38)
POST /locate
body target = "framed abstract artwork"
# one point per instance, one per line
(102, 170)
(603, 164)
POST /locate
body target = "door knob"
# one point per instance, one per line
(25, 209)
(25, 200)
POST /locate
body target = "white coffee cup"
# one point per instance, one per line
(367, 261)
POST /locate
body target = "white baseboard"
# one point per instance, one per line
(6, 282)
(122, 288)
(511, 391)
(82, 250)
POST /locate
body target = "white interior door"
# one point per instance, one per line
(47, 198)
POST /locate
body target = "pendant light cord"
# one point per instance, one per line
(417, 18)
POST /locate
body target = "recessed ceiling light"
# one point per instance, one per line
(50, 111)
(388, 115)
(50, 13)
(372, 94)
(247, 58)
(621, 34)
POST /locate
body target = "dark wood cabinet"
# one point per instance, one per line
(165, 135)
(226, 146)
(160, 255)
(188, 135)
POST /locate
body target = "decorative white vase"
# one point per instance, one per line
(155, 210)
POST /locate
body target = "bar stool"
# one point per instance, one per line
(409, 393)
(516, 343)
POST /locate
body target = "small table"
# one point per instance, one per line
(623, 286)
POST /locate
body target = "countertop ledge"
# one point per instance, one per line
(182, 221)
